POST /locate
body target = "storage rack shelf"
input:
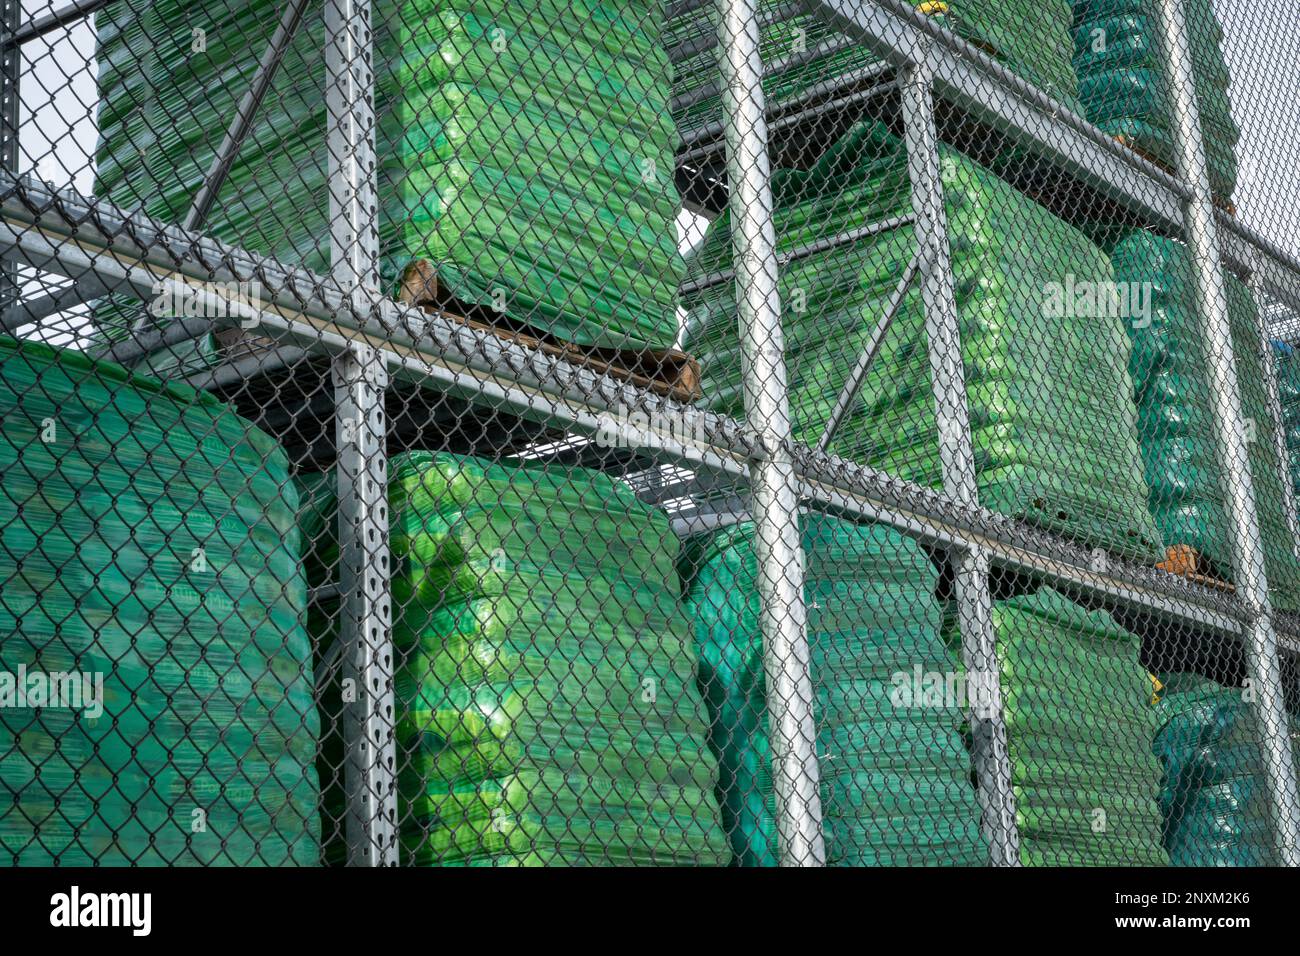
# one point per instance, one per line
(467, 372)
(506, 378)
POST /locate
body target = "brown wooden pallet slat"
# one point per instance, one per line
(1186, 562)
(667, 372)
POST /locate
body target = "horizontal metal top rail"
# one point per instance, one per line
(62, 17)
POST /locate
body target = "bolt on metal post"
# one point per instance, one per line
(948, 379)
(774, 489)
(1262, 664)
(360, 381)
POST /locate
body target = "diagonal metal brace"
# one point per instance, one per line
(224, 157)
(858, 375)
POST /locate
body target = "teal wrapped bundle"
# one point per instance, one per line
(800, 51)
(896, 788)
(1052, 444)
(1214, 798)
(1079, 732)
(547, 707)
(525, 149)
(1175, 424)
(149, 541)
(1120, 64)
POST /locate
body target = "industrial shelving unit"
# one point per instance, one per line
(341, 331)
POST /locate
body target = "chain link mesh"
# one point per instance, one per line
(688, 432)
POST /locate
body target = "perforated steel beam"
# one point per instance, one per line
(361, 432)
(365, 613)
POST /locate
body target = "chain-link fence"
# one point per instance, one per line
(862, 432)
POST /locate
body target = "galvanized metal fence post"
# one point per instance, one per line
(360, 380)
(774, 490)
(948, 378)
(11, 58)
(1272, 372)
(1202, 237)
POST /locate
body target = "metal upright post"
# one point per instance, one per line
(1262, 665)
(360, 379)
(1272, 372)
(11, 55)
(775, 500)
(948, 379)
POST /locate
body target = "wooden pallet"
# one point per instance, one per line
(1227, 205)
(667, 372)
(1186, 562)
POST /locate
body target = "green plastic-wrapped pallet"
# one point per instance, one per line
(801, 51)
(1052, 443)
(526, 149)
(895, 778)
(1121, 69)
(547, 702)
(1079, 732)
(1175, 426)
(1213, 797)
(149, 537)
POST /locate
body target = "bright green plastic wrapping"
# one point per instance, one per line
(1122, 83)
(1175, 426)
(1054, 443)
(896, 786)
(149, 535)
(801, 51)
(1214, 798)
(1079, 732)
(527, 149)
(1288, 384)
(546, 688)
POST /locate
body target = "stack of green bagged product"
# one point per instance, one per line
(526, 149)
(896, 786)
(1214, 797)
(1079, 732)
(801, 51)
(148, 540)
(1122, 82)
(1053, 445)
(547, 702)
(1175, 426)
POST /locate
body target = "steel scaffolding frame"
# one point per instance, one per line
(737, 469)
